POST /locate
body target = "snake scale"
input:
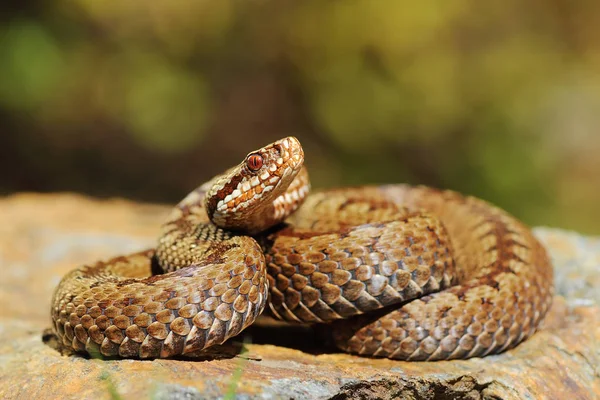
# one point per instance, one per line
(409, 273)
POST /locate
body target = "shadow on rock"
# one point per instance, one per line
(311, 339)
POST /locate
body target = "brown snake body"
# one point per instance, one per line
(403, 272)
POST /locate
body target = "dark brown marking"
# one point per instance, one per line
(211, 204)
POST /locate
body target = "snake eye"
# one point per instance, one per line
(254, 162)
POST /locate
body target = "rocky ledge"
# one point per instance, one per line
(44, 236)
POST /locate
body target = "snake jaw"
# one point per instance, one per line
(256, 187)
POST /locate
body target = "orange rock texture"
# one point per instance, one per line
(44, 236)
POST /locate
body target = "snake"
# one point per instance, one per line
(405, 272)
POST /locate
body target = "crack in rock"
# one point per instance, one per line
(464, 387)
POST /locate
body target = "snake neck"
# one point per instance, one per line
(193, 244)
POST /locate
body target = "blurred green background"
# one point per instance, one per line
(147, 99)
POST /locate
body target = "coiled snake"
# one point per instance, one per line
(403, 272)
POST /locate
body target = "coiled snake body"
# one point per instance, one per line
(403, 272)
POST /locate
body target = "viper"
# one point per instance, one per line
(397, 271)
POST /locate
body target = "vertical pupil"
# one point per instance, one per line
(255, 162)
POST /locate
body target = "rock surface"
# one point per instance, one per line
(44, 236)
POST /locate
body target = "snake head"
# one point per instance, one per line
(262, 190)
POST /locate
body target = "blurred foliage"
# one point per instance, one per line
(499, 99)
